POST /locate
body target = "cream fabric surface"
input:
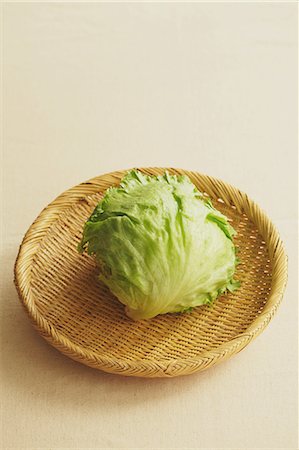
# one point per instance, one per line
(93, 87)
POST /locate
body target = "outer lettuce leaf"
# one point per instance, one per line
(160, 245)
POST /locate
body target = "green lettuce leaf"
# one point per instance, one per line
(160, 245)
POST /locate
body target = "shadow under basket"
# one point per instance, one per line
(79, 316)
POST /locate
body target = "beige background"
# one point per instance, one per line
(89, 88)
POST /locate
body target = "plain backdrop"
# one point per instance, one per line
(93, 87)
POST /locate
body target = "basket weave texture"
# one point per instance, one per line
(79, 316)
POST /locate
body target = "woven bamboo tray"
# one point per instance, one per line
(81, 318)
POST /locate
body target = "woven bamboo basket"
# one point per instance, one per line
(78, 315)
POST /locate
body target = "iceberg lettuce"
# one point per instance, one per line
(160, 245)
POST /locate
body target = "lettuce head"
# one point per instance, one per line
(160, 245)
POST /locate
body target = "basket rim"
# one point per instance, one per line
(47, 217)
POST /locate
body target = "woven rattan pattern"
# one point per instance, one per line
(78, 315)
